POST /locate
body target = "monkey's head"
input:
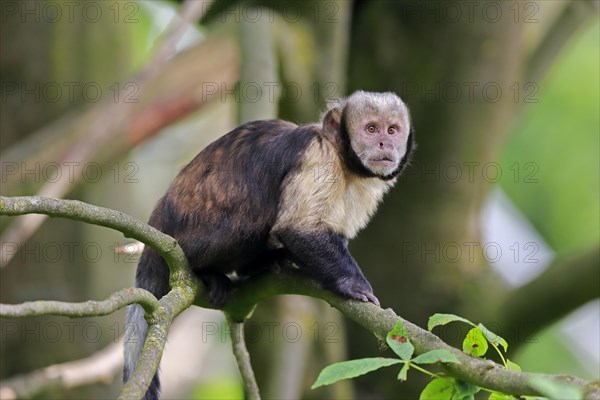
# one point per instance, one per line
(373, 132)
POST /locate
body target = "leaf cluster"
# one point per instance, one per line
(476, 343)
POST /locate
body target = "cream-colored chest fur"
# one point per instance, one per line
(361, 198)
(321, 194)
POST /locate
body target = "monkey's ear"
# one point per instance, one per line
(332, 122)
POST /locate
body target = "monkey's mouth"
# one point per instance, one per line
(384, 160)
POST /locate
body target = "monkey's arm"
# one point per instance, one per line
(324, 255)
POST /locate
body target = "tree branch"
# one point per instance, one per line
(172, 304)
(483, 373)
(259, 67)
(131, 227)
(109, 122)
(527, 309)
(557, 34)
(247, 293)
(115, 302)
(184, 288)
(99, 367)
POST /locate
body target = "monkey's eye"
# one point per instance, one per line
(371, 129)
(392, 130)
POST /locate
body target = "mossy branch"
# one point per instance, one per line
(483, 373)
(163, 312)
(130, 227)
(159, 323)
(246, 294)
(91, 308)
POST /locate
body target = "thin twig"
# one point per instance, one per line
(116, 301)
(240, 351)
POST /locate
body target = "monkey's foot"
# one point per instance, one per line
(218, 287)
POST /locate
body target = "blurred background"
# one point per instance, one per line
(497, 218)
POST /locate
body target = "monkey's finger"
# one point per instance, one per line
(373, 299)
(361, 296)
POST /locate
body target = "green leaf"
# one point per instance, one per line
(443, 319)
(351, 369)
(398, 341)
(475, 343)
(439, 389)
(465, 391)
(404, 350)
(448, 389)
(511, 366)
(501, 396)
(437, 355)
(493, 338)
(403, 372)
(554, 390)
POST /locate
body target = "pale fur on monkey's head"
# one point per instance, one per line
(386, 105)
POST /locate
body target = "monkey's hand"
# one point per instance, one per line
(325, 256)
(355, 287)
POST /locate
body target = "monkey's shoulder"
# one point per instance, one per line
(262, 141)
(242, 171)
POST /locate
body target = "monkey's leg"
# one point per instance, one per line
(218, 286)
(268, 262)
(324, 255)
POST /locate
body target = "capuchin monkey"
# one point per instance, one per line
(272, 192)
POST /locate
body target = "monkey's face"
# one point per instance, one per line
(373, 132)
(380, 143)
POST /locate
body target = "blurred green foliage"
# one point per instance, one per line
(549, 352)
(219, 389)
(561, 135)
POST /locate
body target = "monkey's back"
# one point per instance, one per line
(223, 204)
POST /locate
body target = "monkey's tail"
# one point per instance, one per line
(153, 275)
